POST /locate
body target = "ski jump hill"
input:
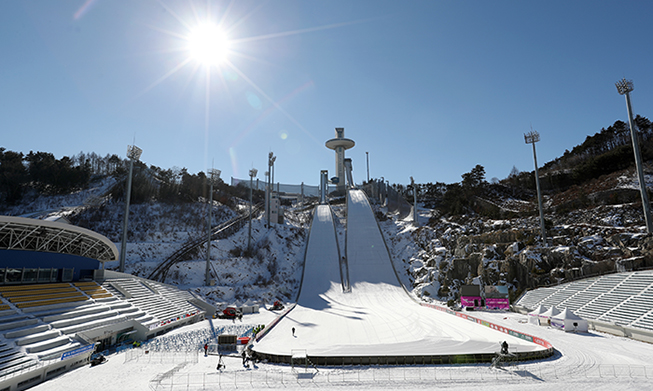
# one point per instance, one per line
(355, 311)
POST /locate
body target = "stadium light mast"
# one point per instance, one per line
(213, 176)
(367, 157)
(531, 138)
(133, 153)
(412, 183)
(624, 87)
(252, 174)
(268, 196)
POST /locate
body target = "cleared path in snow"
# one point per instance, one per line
(377, 318)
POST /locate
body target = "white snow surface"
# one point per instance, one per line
(377, 317)
(584, 361)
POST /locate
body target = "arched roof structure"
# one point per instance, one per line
(19, 233)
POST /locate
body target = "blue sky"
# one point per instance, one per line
(428, 88)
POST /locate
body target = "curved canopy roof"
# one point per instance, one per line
(19, 233)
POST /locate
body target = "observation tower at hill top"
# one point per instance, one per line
(340, 144)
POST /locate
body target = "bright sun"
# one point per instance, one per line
(208, 45)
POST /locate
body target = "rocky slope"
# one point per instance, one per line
(590, 230)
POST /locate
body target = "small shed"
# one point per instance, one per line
(568, 321)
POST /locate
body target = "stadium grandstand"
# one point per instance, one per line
(620, 303)
(58, 306)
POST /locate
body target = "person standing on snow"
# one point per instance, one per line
(504, 347)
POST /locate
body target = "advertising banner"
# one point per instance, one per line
(78, 351)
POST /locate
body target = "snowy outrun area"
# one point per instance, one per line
(593, 361)
(377, 318)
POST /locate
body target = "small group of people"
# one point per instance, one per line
(249, 355)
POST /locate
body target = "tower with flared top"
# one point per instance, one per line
(340, 144)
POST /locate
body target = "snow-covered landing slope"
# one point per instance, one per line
(377, 318)
(322, 260)
(367, 255)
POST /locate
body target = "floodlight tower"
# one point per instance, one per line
(252, 174)
(271, 160)
(340, 144)
(133, 153)
(531, 138)
(624, 87)
(367, 157)
(213, 176)
(412, 183)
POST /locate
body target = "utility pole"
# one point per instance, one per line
(531, 138)
(133, 153)
(624, 87)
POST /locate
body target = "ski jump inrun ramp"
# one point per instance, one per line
(376, 322)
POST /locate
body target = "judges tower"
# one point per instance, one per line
(340, 144)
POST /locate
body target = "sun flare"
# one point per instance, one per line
(208, 45)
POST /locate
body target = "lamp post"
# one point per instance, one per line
(412, 183)
(133, 153)
(367, 157)
(252, 174)
(531, 138)
(624, 87)
(271, 159)
(213, 175)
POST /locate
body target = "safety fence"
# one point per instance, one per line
(388, 376)
(146, 356)
(194, 340)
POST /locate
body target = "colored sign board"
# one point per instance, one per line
(78, 351)
(496, 291)
(497, 304)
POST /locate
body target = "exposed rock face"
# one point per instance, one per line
(507, 252)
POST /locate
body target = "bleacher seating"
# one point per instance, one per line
(41, 321)
(625, 299)
(26, 296)
(159, 302)
(92, 289)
